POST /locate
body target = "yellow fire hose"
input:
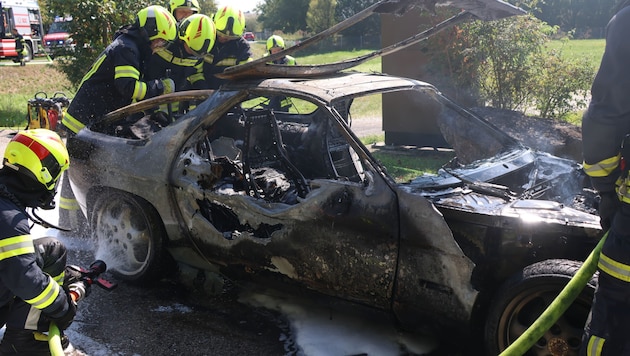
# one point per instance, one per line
(77, 291)
(559, 305)
(54, 340)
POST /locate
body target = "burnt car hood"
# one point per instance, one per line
(485, 10)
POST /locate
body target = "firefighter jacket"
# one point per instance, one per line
(281, 102)
(607, 119)
(20, 43)
(224, 55)
(114, 80)
(19, 273)
(175, 63)
(286, 60)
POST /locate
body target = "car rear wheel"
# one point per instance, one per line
(523, 298)
(129, 236)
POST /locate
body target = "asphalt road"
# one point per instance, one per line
(167, 319)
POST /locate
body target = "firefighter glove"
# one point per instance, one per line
(66, 317)
(609, 204)
(169, 85)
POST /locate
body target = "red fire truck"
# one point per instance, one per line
(26, 17)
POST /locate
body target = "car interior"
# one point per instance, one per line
(273, 155)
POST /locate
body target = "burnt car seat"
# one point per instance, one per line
(266, 164)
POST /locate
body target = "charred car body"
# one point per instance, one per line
(237, 187)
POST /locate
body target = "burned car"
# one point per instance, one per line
(295, 196)
(290, 196)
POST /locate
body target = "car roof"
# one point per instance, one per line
(333, 87)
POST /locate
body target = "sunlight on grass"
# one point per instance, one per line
(367, 107)
(372, 139)
(25, 83)
(405, 167)
(373, 65)
(592, 49)
(574, 118)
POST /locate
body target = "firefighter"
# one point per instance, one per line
(275, 44)
(20, 47)
(182, 60)
(116, 77)
(606, 150)
(115, 80)
(230, 48)
(181, 9)
(31, 295)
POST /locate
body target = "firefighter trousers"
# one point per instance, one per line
(608, 325)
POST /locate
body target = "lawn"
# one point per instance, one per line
(592, 49)
(21, 84)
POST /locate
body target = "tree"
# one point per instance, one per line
(586, 17)
(348, 8)
(503, 49)
(320, 15)
(92, 28)
(507, 62)
(208, 7)
(94, 23)
(285, 15)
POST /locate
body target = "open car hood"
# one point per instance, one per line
(472, 10)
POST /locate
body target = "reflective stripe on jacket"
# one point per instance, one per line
(19, 273)
(114, 80)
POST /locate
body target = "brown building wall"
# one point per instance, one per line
(405, 125)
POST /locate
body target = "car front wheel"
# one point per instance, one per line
(129, 236)
(523, 298)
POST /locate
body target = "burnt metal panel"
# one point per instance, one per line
(434, 275)
(340, 238)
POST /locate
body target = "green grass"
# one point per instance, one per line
(372, 139)
(405, 167)
(591, 49)
(373, 65)
(25, 82)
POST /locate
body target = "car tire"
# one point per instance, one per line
(129, 237)
(523, 297)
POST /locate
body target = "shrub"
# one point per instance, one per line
(92, 28)
(506, 65)
(503, 52)
(560, 84)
